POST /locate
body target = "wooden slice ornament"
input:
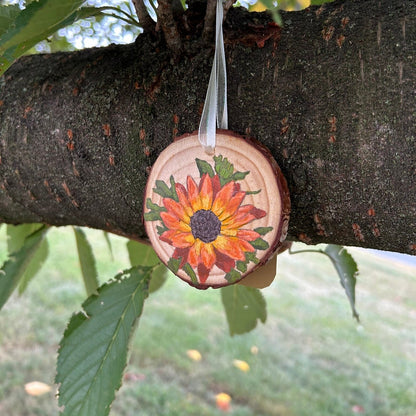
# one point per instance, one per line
(214, 219)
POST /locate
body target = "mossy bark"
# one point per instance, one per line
(331, 94)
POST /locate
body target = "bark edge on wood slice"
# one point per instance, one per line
(213, 219)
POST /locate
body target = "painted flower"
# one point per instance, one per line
(206, 224)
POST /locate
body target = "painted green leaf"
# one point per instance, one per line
(144, 255)
(93, 351)
(224, 169)
(244, 306)
(163, 190)
(14, 268)
(232, 276)
(263, 230)
(191, 273)
(239, 176)
(86, 261)
(260, 244)
(347, 270)
(204, 167)
(174, 264)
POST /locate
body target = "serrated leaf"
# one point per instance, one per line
(243, 307)
(35, 265)
(13, 269)
(347, 270)
(204, 167)
(86, 261)
(162, 189)
(145, 255)
(232, 276)
(93, 352)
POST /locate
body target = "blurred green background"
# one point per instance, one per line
(313, 357)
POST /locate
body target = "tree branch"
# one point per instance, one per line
(209, 22)
(167, 22)
(147, 23)
(336, 108)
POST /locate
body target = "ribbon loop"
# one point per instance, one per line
(215, 107)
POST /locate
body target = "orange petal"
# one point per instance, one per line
(205, 192)
(193, 194)
(182, 240)
(223, 199)
(248, 235)
(172, 222)
(183, 198)
(194, 253)
(232, 205)
(208, 255)
(232, 247)
(177, 209)
(238, 220)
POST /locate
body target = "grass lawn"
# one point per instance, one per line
(313, 358)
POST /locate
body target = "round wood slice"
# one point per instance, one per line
(213, 219)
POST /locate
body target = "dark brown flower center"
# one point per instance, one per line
(205, 225)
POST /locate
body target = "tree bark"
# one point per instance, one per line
(331, 94)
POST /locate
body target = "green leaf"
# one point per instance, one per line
(163, 190)
(239, 176)
(319, 2)
(35, 265)
(7, 16)
(141, 254)
(174, 264)
(224, 169)
(263, 230)
(93, 352)
(144, 255)
(260, 244)
(204, 167)
(159, 276)
(16, 235)
(108, 241)
(36, 22)
(347, 270)
(243, 307)
(86, 261)
(190, 272)
(232, 276)
(14, 268)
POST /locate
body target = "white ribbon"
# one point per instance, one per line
(215, 108)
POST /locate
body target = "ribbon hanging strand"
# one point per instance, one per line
(215, 108)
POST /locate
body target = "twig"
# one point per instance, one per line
(169, 27)
(209, 23)
(227, 6)
(146, 22)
